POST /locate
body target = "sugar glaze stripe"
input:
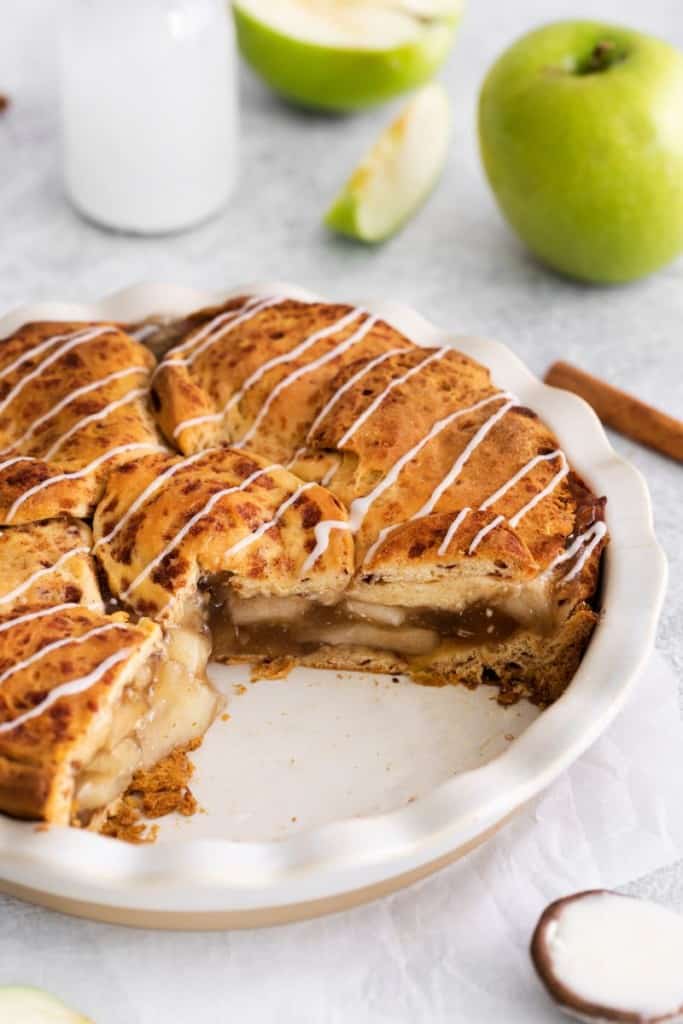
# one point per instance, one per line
(151, 489)
(245, 542)
(270, 364)
(501, 492)
(484, 532)
(43, 346)
(453, 529)
(361, 506)
(364, 370)
(212, 325)
(118, 403)
(34, 577)
(40, 613)
(182, 533)
(80, 473)
(396, 383)
(76, 340)
(590, 538)
(71, 397)
(14, 460)
(211, 339)
(304, 371)
(452, 475)
(67, 641)
(358, 376)
(70, 689)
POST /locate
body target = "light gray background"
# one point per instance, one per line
(456, 262)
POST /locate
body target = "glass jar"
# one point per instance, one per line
(149, 111)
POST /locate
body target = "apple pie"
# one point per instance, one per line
(282, 483)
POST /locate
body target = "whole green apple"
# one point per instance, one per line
(338, 55)
(581, 134)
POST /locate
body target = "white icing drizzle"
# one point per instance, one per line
(297, 455)
(69, 689)
(13, 461)
(67, 641)
(464, 456)
(379, 399)
(548, 489)
(211, 325)
(34, 577)
(264, 527)
(497, 495)
(270, 364)
(145, 331)
(322, 533)
(331, 472)
(453, 529)
(71, 397)
(211, 339)
(304, 371)
(456, 468)
(30, 616)
(593, 535)
(361, 506)
(77, 339)
(363, 372)
(78, 474)
(485, 530)
(38, 350)
(178, 538)
(94, 417)
(151, 489)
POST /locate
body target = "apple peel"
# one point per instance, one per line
(340, 56)
(399, 172)
(607, 957)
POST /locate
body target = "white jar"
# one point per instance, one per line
(149, 111)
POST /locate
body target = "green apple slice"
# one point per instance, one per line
(345, 54)
(398, 173)
(33, 1006)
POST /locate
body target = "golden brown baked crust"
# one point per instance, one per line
(213, 386)
(166, 523)
(326, 460)
(455, 492)
(47, 564)
(63, 666)
(350, 422)
(73, 404)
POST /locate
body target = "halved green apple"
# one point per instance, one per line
(33, 1006)
(398, 173)
(345, 54)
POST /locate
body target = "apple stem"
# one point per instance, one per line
(604, 55)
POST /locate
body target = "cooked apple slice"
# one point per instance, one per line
(33, 1006)
(398, 173)
(345, 54)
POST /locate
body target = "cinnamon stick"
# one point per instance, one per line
(621, 411)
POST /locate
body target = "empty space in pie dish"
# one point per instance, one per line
(322, 746)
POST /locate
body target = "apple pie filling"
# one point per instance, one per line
(168, 704)
(296, 626)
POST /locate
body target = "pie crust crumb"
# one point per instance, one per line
(154, 793)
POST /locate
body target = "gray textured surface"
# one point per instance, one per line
(456, 263)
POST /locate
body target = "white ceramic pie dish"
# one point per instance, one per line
(358, 832)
